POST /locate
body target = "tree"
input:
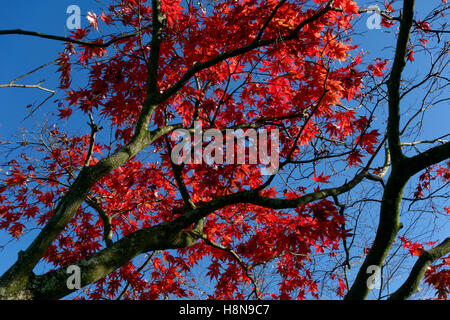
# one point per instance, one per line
(104, 201)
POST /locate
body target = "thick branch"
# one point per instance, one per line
(17, 277)
(389, 213)
(253, 197)
(393, 131)
(389, 223)
(53, 285)
(157, 24)
(411, 284)
(431, 156)
(162, 237)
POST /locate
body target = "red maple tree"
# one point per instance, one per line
(140, 226)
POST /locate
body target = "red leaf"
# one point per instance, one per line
(321, 178)
(65, 113)
(354, 158)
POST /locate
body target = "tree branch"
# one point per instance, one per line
(52, 285)
(125, 289)
(16, 278)
(94, 129)
(164, 236)
(157, 25)
(431, 156)
(389, 223)
(411, 284)
(29, 86)
(269, 19)
(253, 197)
(393, 130)
(106, 219)
(71, 40)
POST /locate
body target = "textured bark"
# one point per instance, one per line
(53, 285)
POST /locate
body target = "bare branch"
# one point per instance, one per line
(29, 86)
(90, 44)
(94, 129)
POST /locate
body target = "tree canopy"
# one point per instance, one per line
(353, 171)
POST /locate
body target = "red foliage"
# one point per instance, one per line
(438, 276)
(308, 77)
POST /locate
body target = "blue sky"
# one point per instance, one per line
(21, 54)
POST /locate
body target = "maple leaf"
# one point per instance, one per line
(410, 55)
(65, 113)
(107, 19)
(354, 158)
(79, 33)
(388, 6)
(321, 178)
(414, 248)
(368, 140)
(350, 6)
(378, 68)
(423, 41)
(342, 288)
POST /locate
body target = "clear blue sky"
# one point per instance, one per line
(21, 54)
